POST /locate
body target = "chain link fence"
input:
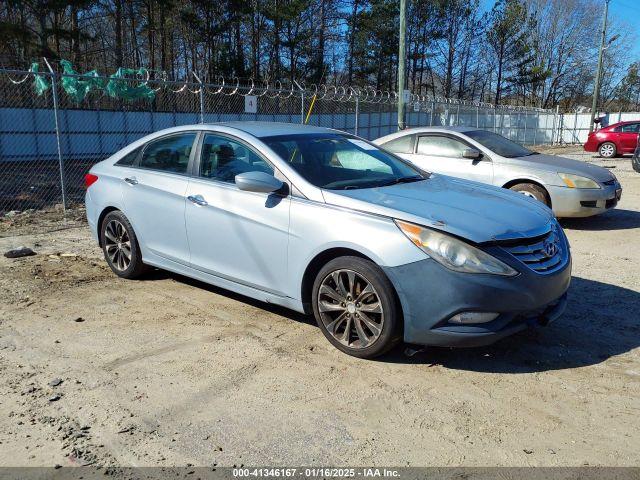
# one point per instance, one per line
(49, 139)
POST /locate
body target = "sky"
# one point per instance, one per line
(627, 10)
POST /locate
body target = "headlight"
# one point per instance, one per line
(452, 253)
(576, 181)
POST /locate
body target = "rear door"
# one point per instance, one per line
(628, 137)
(154, 192)
(237, 235)
(443, 154)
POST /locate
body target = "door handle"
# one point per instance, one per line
(198, 200)
(131, 180)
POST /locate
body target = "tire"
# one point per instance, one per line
(116, 234)
(635, 161)
(607, 150)
(374, 323)
(532, 190)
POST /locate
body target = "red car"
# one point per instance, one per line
(616, 139)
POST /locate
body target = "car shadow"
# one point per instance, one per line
(616, 219)
(157, 274)
(600, 322)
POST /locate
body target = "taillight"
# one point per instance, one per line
(90, 179)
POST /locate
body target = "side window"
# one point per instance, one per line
(631, 128)
(440, 146)
(222, 159)
(169, 154)
(402, 144)
(129, 158)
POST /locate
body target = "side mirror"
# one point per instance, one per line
(258, 182)
(471, 153)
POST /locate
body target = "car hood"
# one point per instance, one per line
(470, 210)
(562, 165)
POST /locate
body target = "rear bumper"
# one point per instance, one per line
(92, 215)
(591, 146)
(574, 202)
(431, 294)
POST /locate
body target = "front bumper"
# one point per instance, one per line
(576, 202)
(431, 294)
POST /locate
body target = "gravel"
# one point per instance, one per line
(192, 374)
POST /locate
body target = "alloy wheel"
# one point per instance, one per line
(350, 309)
(117, 245)
(528, 194)
(607, 150)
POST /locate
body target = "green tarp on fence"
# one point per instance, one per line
(77, 86)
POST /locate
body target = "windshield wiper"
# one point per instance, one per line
(371, 184)
(395, 181)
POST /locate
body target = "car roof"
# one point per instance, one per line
(623, 122)
(433, 129)
(270, 129)
(440, 128)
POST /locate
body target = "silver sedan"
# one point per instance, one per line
(327, 223)
(569, 187)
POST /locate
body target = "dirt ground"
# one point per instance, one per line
(169, 371)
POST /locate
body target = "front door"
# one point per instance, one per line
(237, 235)
(443, 154)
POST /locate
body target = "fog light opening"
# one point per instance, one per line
(473, 317)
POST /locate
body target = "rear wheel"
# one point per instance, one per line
(532, 190)
(120, 246)
(355, 307)
(607, 150)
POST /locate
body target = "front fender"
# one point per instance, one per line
(523, 174)
(316, 227)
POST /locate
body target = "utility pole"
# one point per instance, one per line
(596, 87)
(401, 62)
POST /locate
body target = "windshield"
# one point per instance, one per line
(339, 162)
(498, 144)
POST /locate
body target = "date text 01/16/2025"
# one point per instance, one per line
(321, 472)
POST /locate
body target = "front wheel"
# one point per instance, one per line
(532, 190)
(356, 308)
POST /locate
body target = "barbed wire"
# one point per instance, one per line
(158, 80)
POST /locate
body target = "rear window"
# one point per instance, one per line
(402, 144)
(129, 158)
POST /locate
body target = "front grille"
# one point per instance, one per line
(610, 182)
(543, 254)
(612, 202)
